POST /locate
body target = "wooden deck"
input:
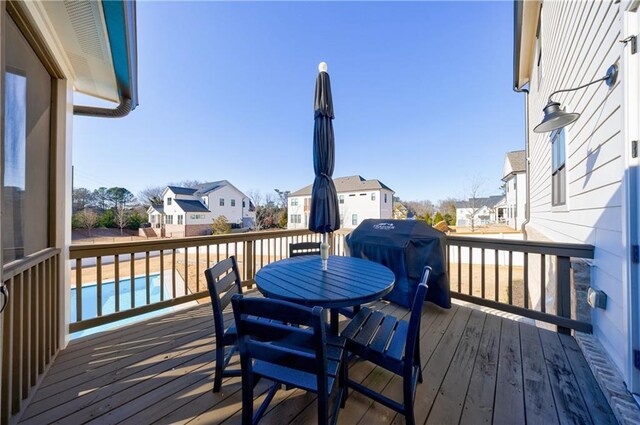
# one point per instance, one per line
(478, 368)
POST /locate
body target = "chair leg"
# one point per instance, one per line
(344, 377)
(247, 399)
(408, 390)
(323, 408)
(217, 380)
(417, 362)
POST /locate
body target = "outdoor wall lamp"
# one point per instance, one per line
(555, 118)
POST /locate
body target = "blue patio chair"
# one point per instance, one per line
(287, 343)
(393, 345)
(223, 281)
(304, 248)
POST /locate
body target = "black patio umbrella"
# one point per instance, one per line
(324, 216)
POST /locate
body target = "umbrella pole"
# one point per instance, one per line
(324, 251)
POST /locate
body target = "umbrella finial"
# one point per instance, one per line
(322, 67)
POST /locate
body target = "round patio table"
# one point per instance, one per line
(347, 282)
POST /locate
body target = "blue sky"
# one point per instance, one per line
(422, 96)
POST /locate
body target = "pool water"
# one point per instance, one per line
(90, 306)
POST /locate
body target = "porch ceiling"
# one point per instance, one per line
(76, 34)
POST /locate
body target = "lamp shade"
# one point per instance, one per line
(555, 118)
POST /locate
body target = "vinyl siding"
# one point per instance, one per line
(579, 43)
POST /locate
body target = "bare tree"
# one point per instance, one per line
(151, 195)
(122, 217)
(283, 196)
(256, 196)
(87, 219)
(420, 208)
(474, 195)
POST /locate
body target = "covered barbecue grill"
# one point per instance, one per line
(404, 246)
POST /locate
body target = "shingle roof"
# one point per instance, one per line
(159, 208)
(517, 159)
(182, 190)
(491, 201)
(204, 188)
(347, 184)
(191, 205)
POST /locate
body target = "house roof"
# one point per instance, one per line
(347, 184)
(514, 162)
(181, 190)
(158, 208)
(490, 202)
(205, 188)
(188, 205)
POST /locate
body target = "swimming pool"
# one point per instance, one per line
(90, 305)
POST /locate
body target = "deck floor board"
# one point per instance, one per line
(477, 367)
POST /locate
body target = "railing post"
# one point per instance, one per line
(248, 262)
(563, 291)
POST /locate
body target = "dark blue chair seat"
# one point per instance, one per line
(391, 344)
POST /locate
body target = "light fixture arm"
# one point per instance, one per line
(610, 78)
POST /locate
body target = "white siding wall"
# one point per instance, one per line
(233, 214)
(579, 43)
(358, 203)
(516, 199)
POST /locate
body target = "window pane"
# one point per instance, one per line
(15, 144)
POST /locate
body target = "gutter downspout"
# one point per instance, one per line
(527, 210)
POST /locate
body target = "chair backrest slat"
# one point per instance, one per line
(304, 248)
(285, 356)
(416, 316)
(282, 333)
(223, 281)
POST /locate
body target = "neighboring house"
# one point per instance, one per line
(480, 211)
(400, 212)
(190, 211)
(584, 178)
(358, 198)
(515, 183)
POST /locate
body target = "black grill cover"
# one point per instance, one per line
(405, 246)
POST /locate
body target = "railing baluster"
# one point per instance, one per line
(162, 296)
(16, 378)
(186, 270)
(563, 291)
(41, 318)
(33, 326)
(218, 253)
(197, 269)
(99, 285)
(147, 279)
(116, 280)
(496, 294)
(173, 274)
(543, 284)
(78, 290)
(470, 271)
(49, 317)
(132, 280)
(7, 362)
(510, 279)
(208, 256)
(459, 268)
(448, 260)
(526, 280)
(482, 273)
(268, 250)
(26, 330)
